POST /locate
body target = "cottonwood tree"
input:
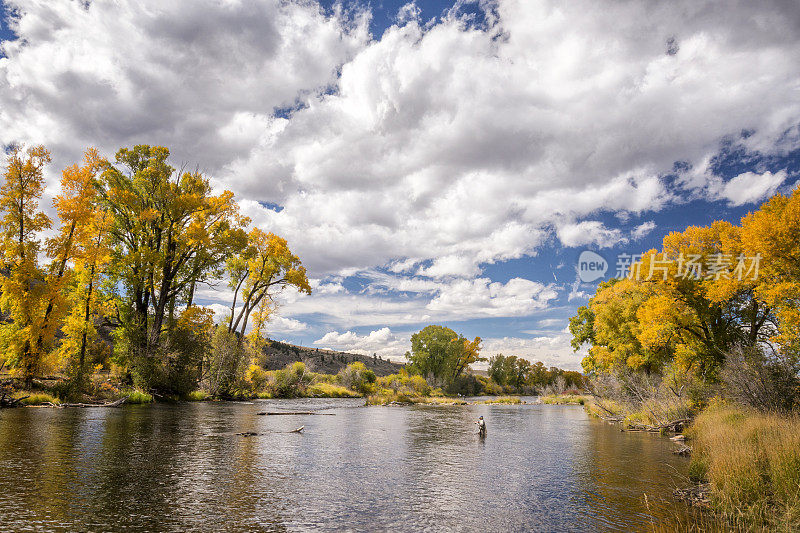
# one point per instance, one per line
(744, 296)
(168, 233)
(24, 291)
(441, 355)
(264, 267)
(78, 254)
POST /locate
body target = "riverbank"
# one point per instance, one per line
(745, 465)
(293, 381)
(566, 399)
(751, 462)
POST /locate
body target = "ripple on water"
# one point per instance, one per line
(182, 467)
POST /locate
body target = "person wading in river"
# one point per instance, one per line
(481, 427)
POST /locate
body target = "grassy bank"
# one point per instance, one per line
(565, 399)
(752, 462)
(36, 398)
(508, 400)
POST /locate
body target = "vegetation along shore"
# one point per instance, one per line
(717, 351)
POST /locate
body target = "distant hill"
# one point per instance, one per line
(279, 354)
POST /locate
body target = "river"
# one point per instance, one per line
(183, 467)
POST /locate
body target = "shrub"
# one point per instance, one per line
(256, 378)
(358, 377)
(139, 397)
(227, 364)
(465, 385)
(291, 381)
(197, 396)
(493, 389)
(764, 383)
(504, 400)
(558, 399)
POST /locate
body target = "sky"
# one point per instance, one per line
(431, 162)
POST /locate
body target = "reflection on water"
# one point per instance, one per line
(183, 468)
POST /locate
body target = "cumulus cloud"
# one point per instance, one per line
(642, 230)
(201, 77)
(750, 187)
(381, 341)
(452, 144)
(396, 300)
(552, 350)
(282, 325)
(430, 151)
(589, 232)
(482, 297)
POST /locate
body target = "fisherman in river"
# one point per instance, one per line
(481, 427)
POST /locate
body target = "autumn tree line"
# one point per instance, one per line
(132, 242)
(516, 374)
(715, 310)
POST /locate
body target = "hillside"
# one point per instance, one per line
(278, 354)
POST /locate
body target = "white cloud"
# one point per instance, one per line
(642, 230)
(200, 77)
(442, 143)
(589, 232)
(552, 350)
(381, 341)
(482, 297)
(282, 325)
(750, 187)
(432, 150)
(408, 12)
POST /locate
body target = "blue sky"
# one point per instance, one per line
(429, 163)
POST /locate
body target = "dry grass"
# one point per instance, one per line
(328, 390)
(388, 396)
(571, 399)
(752, 461)
(511, 400)
(36, 398)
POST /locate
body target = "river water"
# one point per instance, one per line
(183, 467)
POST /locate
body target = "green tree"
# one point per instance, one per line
(441, 355)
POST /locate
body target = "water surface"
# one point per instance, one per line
(423, 468)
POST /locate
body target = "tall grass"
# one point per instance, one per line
(504, 400)
(137, 397)
(38, 398)
(572, 399)
(198, 396)
(752, 461)
(328, 390)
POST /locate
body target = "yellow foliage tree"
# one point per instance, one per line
(80, 241)
(265, 266)
(773, 234)
(168, 232)
(24, 291)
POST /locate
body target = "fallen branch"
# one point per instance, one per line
(275, 413)
(684, 451)
(255, 434)
(8, 401)
(673, 426)
(115, 403)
